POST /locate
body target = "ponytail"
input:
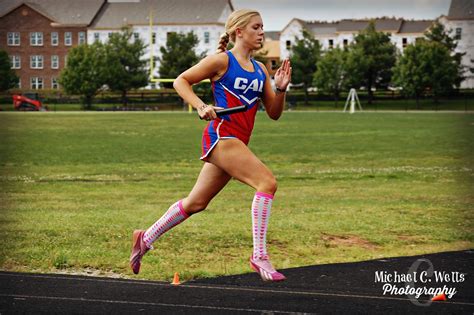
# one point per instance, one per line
(223, 42)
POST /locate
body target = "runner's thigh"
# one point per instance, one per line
(210, 182)
(236, 159)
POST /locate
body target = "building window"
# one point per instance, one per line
(153, 38)
(65, 60)
(36, 83)
(13, 39)
(331, 43)
(54, 83)
(68, 38)
(16, 62)
(288, 44)
(168, 34)
(345, 42)
(36, 39)
(36, 62)
(54, 39)
(55, 62)
(109, 34)
(18, 85)
(404, 42)
(274, 64)
(206, 37)
(458, 33)
(96, 37)
(81, 38)
(136, 36)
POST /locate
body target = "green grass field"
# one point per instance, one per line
(351, 187)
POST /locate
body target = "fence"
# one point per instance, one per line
(169, 100)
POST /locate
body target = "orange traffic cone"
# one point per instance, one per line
(439, 297)
(176, 279)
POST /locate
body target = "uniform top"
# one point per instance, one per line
(238, 87)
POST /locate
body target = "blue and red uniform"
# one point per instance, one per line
(236, 87)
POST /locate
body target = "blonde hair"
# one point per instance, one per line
(238, 19)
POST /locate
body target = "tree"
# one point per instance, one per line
(178, 55)
(411, 72)
(84, 72)
(437, 33)
(8, 78)
(425, 65)
(332, 75)
(304, 57)
(443, 70)
(372, 58)
(125, 69)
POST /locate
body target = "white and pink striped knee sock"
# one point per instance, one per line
(261, 206)
(174, 216)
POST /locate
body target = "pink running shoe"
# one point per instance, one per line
(139, 248)
(265, 269)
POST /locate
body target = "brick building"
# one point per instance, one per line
(37, 36)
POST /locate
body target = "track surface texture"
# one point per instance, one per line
(349, 288)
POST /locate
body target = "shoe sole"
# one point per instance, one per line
(136, 235)
(257, 270)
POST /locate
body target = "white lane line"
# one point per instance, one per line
(85, 278)
(315, 293)
(230, 288)
(24, 297)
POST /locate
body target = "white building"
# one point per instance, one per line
(460, 22)
(206, 18)
(342, 33)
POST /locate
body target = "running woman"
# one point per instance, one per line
(236, 79)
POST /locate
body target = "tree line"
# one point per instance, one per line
(371, 61)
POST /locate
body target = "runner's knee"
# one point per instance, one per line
(192, 206)
(268, 185)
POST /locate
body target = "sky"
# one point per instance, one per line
(276, 14)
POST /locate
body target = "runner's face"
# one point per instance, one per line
(253, 33)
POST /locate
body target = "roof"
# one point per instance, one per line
(321, 28)
(352, 25)
(301, 22)
(415, 26)
(388, 25)
(117, 14)
(461, 10)
(273, 35)
(384, 24)
(60, 11)
(381, 25)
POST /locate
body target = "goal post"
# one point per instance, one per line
(352, 98)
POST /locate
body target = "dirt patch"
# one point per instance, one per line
(278, 243)
(347, 240)
(411, 239)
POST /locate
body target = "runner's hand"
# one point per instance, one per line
(283, 75)
(208, 112)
